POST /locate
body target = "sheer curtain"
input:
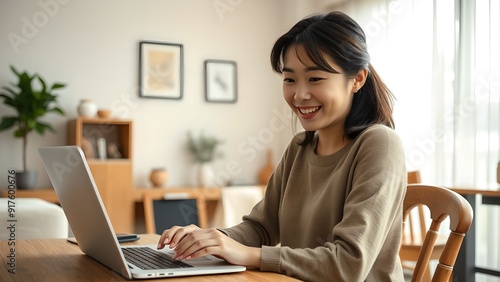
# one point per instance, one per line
(412, 44)
(477, 97)
(441, 58)
(477, 106)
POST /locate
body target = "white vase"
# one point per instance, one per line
(204, 175)
(87, 108)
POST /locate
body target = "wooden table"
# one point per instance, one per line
(465, 266)
(59, 260)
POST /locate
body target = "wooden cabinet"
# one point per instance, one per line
(113, 173)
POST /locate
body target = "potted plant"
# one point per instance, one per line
(204, 150)
(30, 106)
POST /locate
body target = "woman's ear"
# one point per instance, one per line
(359, 80)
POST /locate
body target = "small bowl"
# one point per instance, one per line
(104, 113)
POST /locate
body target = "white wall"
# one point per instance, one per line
(93, 47)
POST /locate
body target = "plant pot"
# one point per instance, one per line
(26, 179)
(158, 177)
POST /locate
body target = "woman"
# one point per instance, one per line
(334, 202)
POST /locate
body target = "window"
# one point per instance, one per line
(441, 58)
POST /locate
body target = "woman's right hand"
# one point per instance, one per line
(174, 235)
(191, 242)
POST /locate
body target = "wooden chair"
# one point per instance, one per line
(442, 203)
(414, 234)
(185, 212)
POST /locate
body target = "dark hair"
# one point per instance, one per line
(341, 38)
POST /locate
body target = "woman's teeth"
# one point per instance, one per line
(308, 110)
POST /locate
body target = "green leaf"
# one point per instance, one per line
(57, 110)
(7, 122)
(15, 71)
(58, 85)
(8, 100)
(44, 87)
(39, 112)
(31, 123)
(25, 84)
(9, 91)
(20, 133)
(37, 96)
(41, 127)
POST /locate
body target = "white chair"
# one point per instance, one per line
(34, 219)
(236, 201)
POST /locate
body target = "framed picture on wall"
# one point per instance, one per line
(221, 81)
(160, 70)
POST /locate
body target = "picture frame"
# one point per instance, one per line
(221, 81)
(161, 69)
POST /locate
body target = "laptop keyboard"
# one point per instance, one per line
(147, 258)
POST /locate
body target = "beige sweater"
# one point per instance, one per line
(337, 217)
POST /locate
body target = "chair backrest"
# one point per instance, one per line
(442, 203)
(410, 235)
(414, 177)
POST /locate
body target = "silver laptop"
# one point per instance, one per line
(78, 195)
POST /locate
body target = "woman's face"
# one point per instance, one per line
(320, 99)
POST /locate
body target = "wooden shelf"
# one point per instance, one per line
(113, 176)
(114, 131)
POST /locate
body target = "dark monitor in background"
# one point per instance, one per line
(168, 213)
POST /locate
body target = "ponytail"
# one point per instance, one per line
(372, 104)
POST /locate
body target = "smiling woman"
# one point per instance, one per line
(316, 221)
(320, 98)
(345, 53)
